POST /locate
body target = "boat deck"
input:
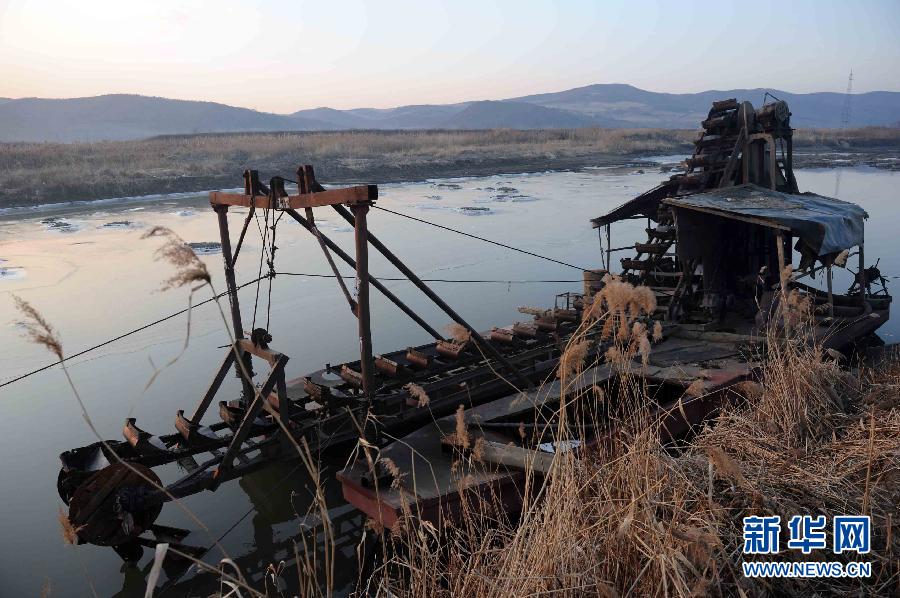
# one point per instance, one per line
(429, 477)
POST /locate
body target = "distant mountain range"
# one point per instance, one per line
(117, 117)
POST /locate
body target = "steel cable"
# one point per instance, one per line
(121, 336)
(499, 244)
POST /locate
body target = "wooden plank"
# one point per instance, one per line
(516, 457)
(248, 346)
(350, 195)
(510, 455)
(683, 331)
(773, 164)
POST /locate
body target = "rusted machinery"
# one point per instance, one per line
(719, 234)
(717, 256)
(737, 145)
(718, 239)
(113, 494)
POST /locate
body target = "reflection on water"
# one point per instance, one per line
(98, 279)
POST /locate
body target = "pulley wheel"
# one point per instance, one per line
(92, 508)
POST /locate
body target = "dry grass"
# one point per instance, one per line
(461, 434)
(858, 137)
(458, 332)
(34, 172)
(69, 532)
(42, 172)
(636, 518)
(37, 329)
(418, 393)
(572, 361)
(189, 268)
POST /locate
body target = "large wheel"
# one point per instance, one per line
(93, 508)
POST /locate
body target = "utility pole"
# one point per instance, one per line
(845, 123)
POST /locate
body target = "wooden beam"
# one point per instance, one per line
(248, 346)
(779, 248)
(517, 457)
(773, 163)
(360, 194)
(727, 179)
(510, 455)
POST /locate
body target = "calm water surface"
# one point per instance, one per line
(92, 277)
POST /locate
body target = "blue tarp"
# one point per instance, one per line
(824, 224)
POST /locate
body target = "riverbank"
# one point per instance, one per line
(40, 173)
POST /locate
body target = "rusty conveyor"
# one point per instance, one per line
(324, 410)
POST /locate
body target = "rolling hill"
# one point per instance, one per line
(420, 116)
(516, 115)
(116, 117)
(639, 108)
(121, 116)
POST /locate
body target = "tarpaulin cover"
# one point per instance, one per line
(826, 225)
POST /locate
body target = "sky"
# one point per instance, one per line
(286, 55)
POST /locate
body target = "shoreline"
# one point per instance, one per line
(13, 204)
(186, 184)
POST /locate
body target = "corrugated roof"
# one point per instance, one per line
(824, 224)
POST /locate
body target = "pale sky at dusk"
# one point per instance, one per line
(285, 55)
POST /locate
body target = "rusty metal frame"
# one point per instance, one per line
(274, 381)
(358, 199)
(372, 280)
(363, 234)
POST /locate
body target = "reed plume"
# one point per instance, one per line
(189, 268)
(37, 329)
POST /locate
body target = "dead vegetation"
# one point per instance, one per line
(418, 393)
(636, 518)
(47, 172)
(69, 532)
(189, 268)
(858, 137)
(458, 332)
(37, 329)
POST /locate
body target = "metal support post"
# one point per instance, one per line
(372, 280)
(476, 337)
(362, 297)
(225, 238)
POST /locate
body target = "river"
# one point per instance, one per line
(86, 268)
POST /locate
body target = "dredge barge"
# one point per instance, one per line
(716, 257)
(718, 260)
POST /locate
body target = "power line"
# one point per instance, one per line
(254, 281)
(312, 275)
(459, 232)
(453, 230)
(121, 336)
(449, 280)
